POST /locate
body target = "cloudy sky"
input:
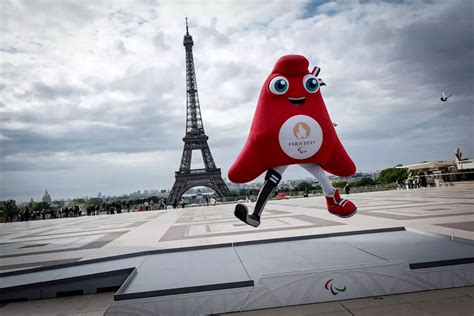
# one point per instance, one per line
(92, 93)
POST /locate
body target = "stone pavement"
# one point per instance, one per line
(446, 211)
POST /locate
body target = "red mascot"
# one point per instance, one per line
(291, 125)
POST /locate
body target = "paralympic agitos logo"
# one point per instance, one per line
(334, 290)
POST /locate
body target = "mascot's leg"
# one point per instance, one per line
(336, 205)
(272, 178)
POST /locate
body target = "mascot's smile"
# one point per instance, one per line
(297, 101)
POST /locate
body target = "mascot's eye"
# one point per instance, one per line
(279, 85)
(311, 83)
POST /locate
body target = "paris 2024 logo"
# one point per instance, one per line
(300, 137)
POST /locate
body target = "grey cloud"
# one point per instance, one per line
(160, 41)
(121, 47)
(149, 81)
(8, 71)
(440, 50)
(10, 50)
(127, 18)
(92, 140)
(212, 35)
(126, 22)
(21, 165)
(61, 15)
(45, 91)
(105, 128)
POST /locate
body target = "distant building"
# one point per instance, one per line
(465, 164)
(440, 166)
(444, 171)
(46, 197)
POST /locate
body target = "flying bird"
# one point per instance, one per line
(444, 98)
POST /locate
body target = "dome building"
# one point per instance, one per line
(46, 197)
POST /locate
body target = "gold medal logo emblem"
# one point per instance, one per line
(301, 130)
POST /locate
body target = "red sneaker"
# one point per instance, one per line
(340, 207)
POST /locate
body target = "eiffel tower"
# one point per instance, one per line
(195, 139)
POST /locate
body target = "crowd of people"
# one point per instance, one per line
(416, 182)
(30, 212)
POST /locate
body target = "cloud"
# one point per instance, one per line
(160, 41)
(88, 85)
(45, 91)
(11, 50)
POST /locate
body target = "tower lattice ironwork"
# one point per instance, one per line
(195, 139)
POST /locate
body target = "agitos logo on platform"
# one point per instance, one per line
(334, 290)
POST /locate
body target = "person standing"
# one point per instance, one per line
(423, 181)
(347, 188)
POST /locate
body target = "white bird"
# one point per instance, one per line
(444, 98)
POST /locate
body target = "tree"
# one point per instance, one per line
(317, 188)
(363, 182)
(3, 210)
(304, 186)
(78, 201)
(339, 184)
(391, 175)
(8, 208)
(41, 206)
(95, 201)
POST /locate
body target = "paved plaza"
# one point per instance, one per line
(447, 211)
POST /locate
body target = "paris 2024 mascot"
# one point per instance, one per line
(291, 125)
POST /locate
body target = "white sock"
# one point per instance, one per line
(322, 178)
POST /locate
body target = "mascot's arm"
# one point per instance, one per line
(339, 163)
(248, 165)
